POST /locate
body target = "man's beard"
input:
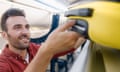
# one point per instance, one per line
(20, 47)
(16, 42)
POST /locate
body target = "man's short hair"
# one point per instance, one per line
(9, 13)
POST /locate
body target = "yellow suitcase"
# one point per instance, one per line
(100, 21)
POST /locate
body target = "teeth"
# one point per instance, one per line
(24, 39)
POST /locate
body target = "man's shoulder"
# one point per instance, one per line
(4, 65)
(3, 61)
(3, 58)
(34, 45)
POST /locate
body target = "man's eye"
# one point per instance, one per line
(17, 27)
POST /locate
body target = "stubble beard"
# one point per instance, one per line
(18, 43)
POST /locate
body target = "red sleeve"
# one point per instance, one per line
(64, 53)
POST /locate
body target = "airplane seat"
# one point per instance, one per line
(54, 25)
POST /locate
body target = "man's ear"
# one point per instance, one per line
(4, 35)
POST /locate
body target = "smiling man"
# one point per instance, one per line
(20, 55)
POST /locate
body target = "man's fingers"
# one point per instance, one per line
(66, 26)
(79, 42)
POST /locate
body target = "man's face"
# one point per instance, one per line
(18, 34)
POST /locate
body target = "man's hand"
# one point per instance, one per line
(79, 42)
(61, 40)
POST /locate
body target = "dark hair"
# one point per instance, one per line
(9, 13)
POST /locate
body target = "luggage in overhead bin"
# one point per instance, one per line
(98, 21)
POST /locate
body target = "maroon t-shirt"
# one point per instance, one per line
(12, 62)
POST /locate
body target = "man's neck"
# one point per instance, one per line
(22, 53)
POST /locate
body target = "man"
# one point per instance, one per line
(20, 55)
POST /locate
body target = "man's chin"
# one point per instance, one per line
(26, 43)
(23, 46)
